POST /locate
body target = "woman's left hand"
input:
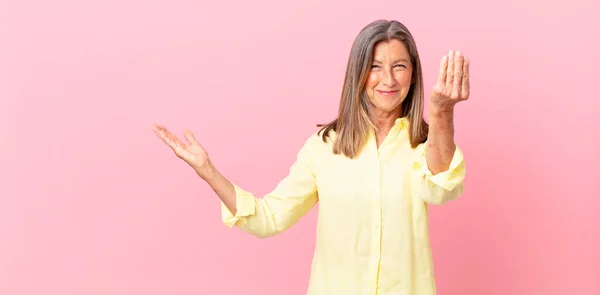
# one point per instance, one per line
(453, 82)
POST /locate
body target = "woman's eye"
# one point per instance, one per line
(401, 66)
(374, 66)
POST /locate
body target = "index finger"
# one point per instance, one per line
(443, 68)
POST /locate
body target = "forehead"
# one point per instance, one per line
(390, 49)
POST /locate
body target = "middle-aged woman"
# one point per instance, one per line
(373, 171)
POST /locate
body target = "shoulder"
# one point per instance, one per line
(318, 139)
(420, 148)
(316, 144)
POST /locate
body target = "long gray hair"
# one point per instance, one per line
(353, 122)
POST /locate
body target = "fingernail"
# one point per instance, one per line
(458, 53)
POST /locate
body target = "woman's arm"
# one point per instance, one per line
(224, 189)
(293, 197)
(441, 170)
(440, 141)
(452, 87)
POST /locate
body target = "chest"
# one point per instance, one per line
(378, 176)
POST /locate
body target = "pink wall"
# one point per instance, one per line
(91, 202)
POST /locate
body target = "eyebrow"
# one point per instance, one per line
(396, 61)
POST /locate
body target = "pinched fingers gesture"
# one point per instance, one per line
(452, 85)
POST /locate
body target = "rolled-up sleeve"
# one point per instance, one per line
(245, 204)
(444, 186)
(292, 198)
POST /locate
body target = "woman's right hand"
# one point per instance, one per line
(191, 152)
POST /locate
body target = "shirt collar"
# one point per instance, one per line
(401, 123)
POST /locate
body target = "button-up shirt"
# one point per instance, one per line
(372, 228)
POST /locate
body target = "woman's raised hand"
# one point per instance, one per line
(190, 151)
(453, 82)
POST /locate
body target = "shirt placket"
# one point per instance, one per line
(376, 228)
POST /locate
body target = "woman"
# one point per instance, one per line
(373, 171)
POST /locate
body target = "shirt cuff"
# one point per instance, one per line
(449, 179)
(245, 204)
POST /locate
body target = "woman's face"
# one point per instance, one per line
(390, 76)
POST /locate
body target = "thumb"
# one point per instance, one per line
(189, 136)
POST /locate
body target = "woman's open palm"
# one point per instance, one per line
(191, 152)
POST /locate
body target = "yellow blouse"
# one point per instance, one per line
(372, 230)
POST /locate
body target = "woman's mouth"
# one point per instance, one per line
(387, 93)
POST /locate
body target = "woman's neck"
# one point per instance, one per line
(383, 123)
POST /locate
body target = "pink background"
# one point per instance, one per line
(91, 202)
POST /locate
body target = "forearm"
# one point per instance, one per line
(440, 143)
(292, 198)
(222, 187)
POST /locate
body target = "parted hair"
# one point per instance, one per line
(353, 122)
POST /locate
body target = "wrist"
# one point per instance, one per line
(208, 172)
(441, 121)
(441, 111)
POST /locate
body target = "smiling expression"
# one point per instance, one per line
(389, 78)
